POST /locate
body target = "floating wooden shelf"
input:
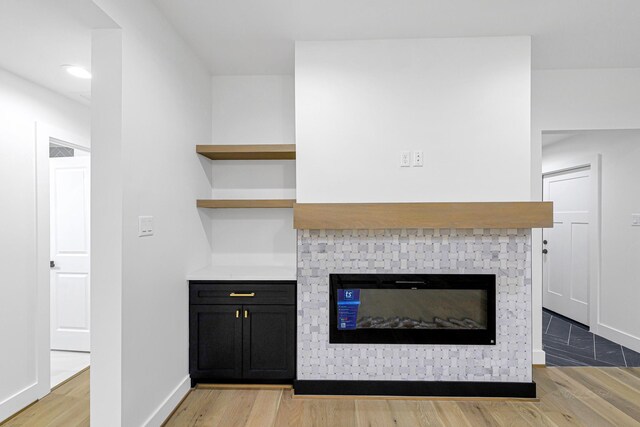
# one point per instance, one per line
(248, 152)
(245, 203)
(341, 216)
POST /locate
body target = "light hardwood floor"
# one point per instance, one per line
(580, 396)
(568, 397)
(66, 405)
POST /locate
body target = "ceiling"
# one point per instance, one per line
(257, 36)
(38, 36)
(549, 138)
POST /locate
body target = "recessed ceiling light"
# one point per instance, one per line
(77, 71)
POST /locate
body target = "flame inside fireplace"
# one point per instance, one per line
(397, 322)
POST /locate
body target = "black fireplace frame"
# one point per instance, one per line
(486, 282)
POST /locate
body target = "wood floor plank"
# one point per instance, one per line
(233, 408)
(624, 376)
(602, 412)
(633, 372)
(414, 413)
(630, 383)
(429, 414)
(478, 414)
(214, 410)
(375, 413)
(290, 410)
(193, 408)
(608, 389)
(50, 412)
(328, 413)
(548, 415)
(75, 414)
(507, 415)
(265, 408)
(315, 412)
(559, 405)
(537, 414)
(582, 396)
(451, 414)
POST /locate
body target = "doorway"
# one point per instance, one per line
(565, 258)
(587, 258)
(70, 289)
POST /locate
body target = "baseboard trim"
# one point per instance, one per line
(221, 386)
(619, 337)
(16, 403)
(166, 408)
(171, 414)
(416, 388)
(539, 357)
(413, 398)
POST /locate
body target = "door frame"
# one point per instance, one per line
(44, 133)
(593, 162)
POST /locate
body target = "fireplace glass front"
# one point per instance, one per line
(412, 309)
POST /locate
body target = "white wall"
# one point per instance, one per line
(166, 111)
(586, 99)
(574, 100)
(22, 104)
(620, 242)
(465, 102)
(106, 228)
(253, 110)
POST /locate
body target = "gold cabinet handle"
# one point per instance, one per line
(233, 294)
(237, 314)
(246, 314)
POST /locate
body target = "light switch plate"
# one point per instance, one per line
(145, 226)
(635, 220)
(418, 159)
(405, 159)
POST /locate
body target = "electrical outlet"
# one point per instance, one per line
(405, 159)
(145, 226)
(418, 159)
(635, 220)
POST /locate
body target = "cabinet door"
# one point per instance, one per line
(269, 341)
(215, 342)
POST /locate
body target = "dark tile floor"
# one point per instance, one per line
(569, 343)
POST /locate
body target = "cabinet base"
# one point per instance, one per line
(207, 381)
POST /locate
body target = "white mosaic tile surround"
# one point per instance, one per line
(506, 253)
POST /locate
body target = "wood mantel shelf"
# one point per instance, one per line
(245, 203)
(248, 152)
(344, 216)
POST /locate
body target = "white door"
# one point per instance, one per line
(566, 261)
(70, 190)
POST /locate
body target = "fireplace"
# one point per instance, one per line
(335, 361)
(412, 309)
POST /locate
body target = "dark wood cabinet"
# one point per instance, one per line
(268, 343)
(242, 331)
(217, 332)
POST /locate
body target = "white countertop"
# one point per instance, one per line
(244, 272)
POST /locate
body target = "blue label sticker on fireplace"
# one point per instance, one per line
(348, 303)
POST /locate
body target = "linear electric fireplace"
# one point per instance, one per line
(413, 308)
